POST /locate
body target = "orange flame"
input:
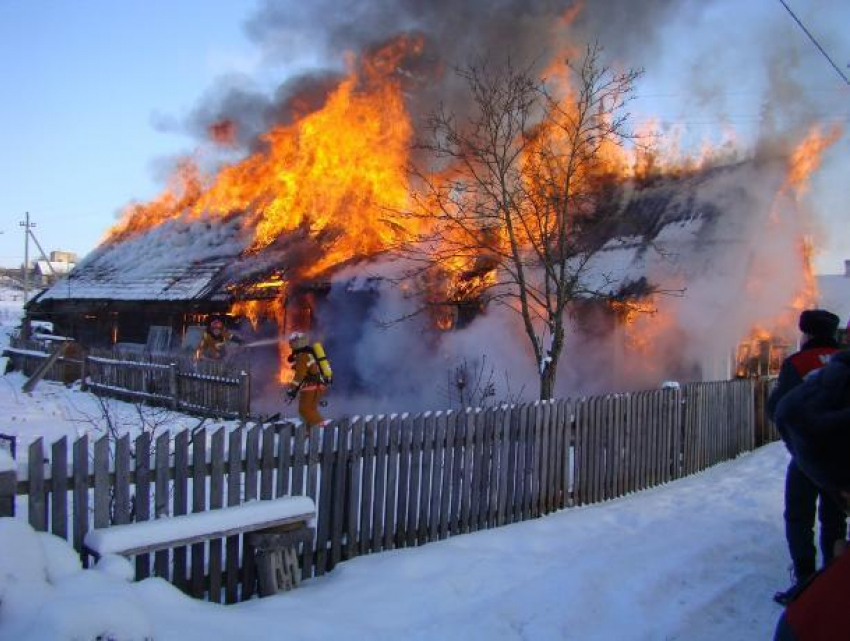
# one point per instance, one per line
(340, 169)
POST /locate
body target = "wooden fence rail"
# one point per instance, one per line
(386, 482)
(180, 382)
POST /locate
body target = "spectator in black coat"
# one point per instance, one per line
(803, 498)
(815, 421)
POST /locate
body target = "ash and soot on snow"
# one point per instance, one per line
(315, 188)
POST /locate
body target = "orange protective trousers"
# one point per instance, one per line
(308, 405)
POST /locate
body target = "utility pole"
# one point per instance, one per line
(27, 225)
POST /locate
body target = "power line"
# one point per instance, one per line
(816, 43)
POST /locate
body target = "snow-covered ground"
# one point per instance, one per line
(695, 559)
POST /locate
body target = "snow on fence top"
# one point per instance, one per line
(135, 538)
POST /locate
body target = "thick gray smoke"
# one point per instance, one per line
(454, 34)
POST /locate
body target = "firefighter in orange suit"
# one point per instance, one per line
(307, 384)
(213, 346)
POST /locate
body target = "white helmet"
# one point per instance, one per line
(298, 340)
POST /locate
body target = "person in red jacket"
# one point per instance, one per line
(803, 499)
(821, 611)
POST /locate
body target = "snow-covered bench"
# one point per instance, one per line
(276, 526)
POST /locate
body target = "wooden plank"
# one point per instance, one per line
(563, 454)
(102, 517)
(578, 486)
(59, 488)
(121, 489)
(340, 476)
(37, 496)
(370, 436)
(429, 433)
(354, 487)
(249, 493)
(448, 458)
(301, 447)
(631, 442)
(161, 496)
(483, 455)
(379, 501)
(234, 494)
(540, 457)
(494, 462)
(252, 463)
(392, 481)
(507, 508)
(569, 440)
(506, 464)
(477, 482)
(312, 492)
(142, 500)
(652, 446)
(646, 439)
(676, 433)
(81, 492)
(199, 504)
(669, 414)
(592, 448)
(532, 459)
(323, 507)
(284, 459)
(403, 480)
(521, 459)
(587, 447)
(551, 449)
(555, 462)
(620, 442)
(650, 422)
(415, 477)
(439, 470)
(180, 504)
(470, 418)
(458, 436)
(216, 502)
(267, 465)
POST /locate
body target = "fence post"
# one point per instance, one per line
(172, 386)
(8, 481)
(245, 395)
(84, 372)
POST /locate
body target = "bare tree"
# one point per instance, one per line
(512, 207)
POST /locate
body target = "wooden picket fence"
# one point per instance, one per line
(220, 389)
(385, 482)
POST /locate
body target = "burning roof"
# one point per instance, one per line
(189, 258)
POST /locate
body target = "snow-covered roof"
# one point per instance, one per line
(58, 267)
(189, 259)
(178, 260)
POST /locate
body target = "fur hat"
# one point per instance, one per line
(819, 322)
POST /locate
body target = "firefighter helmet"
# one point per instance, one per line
(298, 340)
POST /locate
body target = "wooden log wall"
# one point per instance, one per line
(385, 482)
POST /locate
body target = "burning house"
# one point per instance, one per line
(300, 232)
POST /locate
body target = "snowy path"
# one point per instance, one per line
(697, 559)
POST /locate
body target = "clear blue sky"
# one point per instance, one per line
(85, 81)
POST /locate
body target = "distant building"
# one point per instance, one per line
(46, 273)
(61, 256)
